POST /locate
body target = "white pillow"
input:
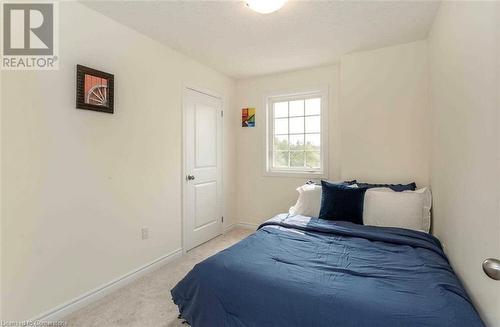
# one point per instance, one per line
(309, 201)
(407, 209)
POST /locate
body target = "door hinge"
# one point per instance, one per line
(222, 218)
(222, 113)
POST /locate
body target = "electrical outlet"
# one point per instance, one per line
(145, 232)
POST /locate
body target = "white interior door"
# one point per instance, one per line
(202, 168)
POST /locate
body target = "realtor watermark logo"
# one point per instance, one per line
(30, 36)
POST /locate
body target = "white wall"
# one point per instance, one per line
(1, 198)
(464, 69)
(378, 132)
(385, 115)
(78, 185)
(261, 197)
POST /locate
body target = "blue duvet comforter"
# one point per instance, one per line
(301, 271)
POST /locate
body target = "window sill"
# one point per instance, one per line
(296, 174)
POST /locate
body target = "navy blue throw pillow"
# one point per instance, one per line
(341, 202)
(394, 187)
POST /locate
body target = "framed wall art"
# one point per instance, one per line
(248, 117)
(94, 89)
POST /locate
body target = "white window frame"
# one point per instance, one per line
(268, 155)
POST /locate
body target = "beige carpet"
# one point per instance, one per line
(147, 301)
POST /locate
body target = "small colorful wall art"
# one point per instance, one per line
(94, 89)
(248, 117)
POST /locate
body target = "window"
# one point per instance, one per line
(296, 139)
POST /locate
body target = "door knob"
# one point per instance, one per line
(189, 177)
(492, 268)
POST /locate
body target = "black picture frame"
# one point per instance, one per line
(81, 71)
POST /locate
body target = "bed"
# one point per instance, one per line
(302, 271)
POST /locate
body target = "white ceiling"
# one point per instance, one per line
(233, 39)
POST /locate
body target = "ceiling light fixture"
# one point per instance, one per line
(265, 6)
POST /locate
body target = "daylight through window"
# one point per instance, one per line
(296, 134)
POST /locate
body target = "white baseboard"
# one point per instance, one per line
(249, 226)
(228, 228)
(59, 312)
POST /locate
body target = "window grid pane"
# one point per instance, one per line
(296, 108)
(281, 159)
(313, 142)
(297, 159)
(281, 109)
(312, 124)
(313, 159)
(281, 143)
(296, 142)
(281, 126)
(297, 134)
(313, 107)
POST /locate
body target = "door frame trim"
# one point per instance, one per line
(190, 87)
